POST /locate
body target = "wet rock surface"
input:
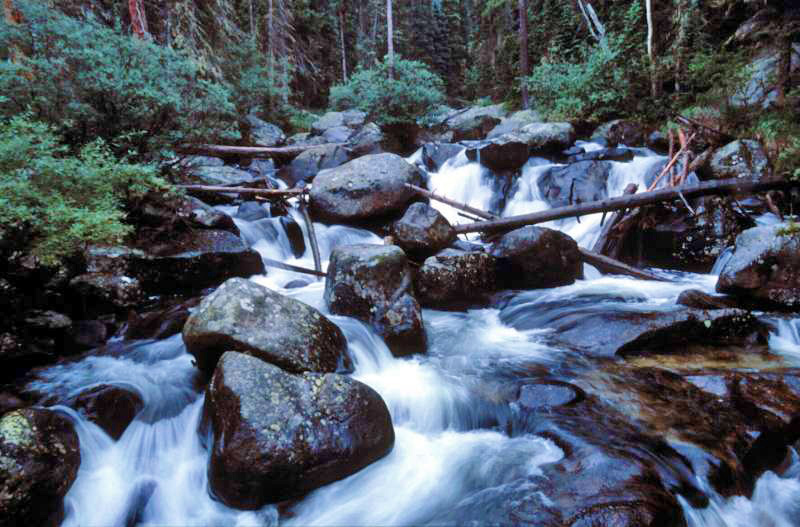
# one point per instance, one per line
(620, 131)
(548, 137)
(308, 164)
(110, 407)
(575, 183)
(536, 257)
(507, 152)
(374, 283)
(456, 279)
(422, 231)
(244, 316)
(39, 460)
(434, 155)
(278, 436)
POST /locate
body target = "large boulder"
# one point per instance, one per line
(106, 292)
(434, 155)
(349, 118)
(244, 316)
(619, 131)
(456, 279)
(576, 183)
(764, 268)
(366, 141)
(535, 258)
(263, 133)
(548, 137)
(278, 436)
(474, 123)
(604, 154)
(308, 164)
(423, 231)
(39, 460)
(507, 152)
(110, 407)
(514, 123)
(373, 283)
(367, 187)
(743, 158)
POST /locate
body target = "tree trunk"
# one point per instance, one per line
(341, 42)
(390, 37)
(651, 53)
(523, 51)
(784, 65)
(138, 19)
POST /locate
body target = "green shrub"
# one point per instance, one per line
(90, 81)
(404, 99)
(59, 203)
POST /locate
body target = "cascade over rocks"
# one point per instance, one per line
(576, 183)
(507, 152)
(548, 137)
(764, 269)
(278, 436)
(605, 154)
(434, 155)
(535, 258)
(744, 158)
(422, 231)
(244, 316)
(373, 283)
(39, 460)
(368, 187)
(456, 279)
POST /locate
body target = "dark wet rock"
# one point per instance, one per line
(507, 152)
(422, 231)
(263, 133)
(606, 154)
(244, 316)
(544, 396)
(373, 283)
(573, 151)
(278, 436)
(514, 123)
(39, 460)
(536, 257)
(740, 159)
(159, 324)
(9, 402)
(764, 269)
(307, 165)
(252, 211)
(205, 216)
(548, 137)
(697, 299)
(456, 279)
(367, 187)
(105, 292)
(628, 133)
(434, 155)
(49, 322)
(110, 407)
(87, 334)
(295, 235)
(576, 183)
(474, 123)
(658, 142)
(294, 284)
(366, 141)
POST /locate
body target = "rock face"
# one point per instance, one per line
(244, 316)
(456, 279)
(576, 183)
(434, 155)
(278, 436)
(514, 123)
(535, 258)
(349, 118)
(764, 269)
(743, 158)
(110, 407)
(307, 165)
(367, 187)
(474, 123)
(422, 231)
(760, 89)
(39, 460)
(548, 137)
(507, 152)
(263, 133)
(373, 283)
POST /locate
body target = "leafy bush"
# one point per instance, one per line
(60, 203)
(408, 96)
(91, 81)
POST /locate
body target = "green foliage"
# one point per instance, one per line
(90, 81)
(404, 99)
(60, 202)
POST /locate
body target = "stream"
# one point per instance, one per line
(462, 451)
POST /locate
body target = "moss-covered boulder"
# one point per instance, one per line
(244, 316)
(39, 460)
(536, 258)
(278, 436)
(373, 283)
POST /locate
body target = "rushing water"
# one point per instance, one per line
(449, 407)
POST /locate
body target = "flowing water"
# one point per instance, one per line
(450, 407)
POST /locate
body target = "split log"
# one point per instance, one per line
(278, 153)
(282, 193)
(604, 244)
(268, 262)
(456, 205)
(607, 265)
(708, 188)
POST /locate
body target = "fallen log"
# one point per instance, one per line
(278, 153)
(607, 265)
(456, 205)
(268, 262)
(707, 188)
(289, 192)
(312, 237)
(604, 243)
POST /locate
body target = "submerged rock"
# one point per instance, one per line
(764, 268)
(535, 258)
(368, 187)
(422, 231)
(244, 316)
(456, 279)
(278, 436)
(373, 283)
(39, 460)
(110, 407)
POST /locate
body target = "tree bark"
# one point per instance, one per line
(138, 19)
(719, 187)
(456, 205)
(390, 36)
(341, 42)
(651, 55)
(523, 51)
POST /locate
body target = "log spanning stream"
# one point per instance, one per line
(466, 449)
